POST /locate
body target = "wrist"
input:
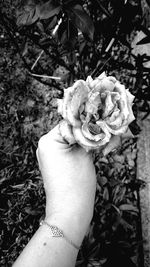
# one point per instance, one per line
(72, 227)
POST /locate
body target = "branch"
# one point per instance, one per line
(37, 60)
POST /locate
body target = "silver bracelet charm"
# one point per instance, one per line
(56, 232)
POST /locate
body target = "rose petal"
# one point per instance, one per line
(88, 135)
(127, 134)
(92, 104)
(79, 97)
(112, 79)
(113, 116)
(130, 100)
(104, 128)
(126, 116)
(102, 76)
(107, 85)
(124, 106)
(114, 142)
(109, 105)
(84, 100)
(60, 106)
(70, 107)
(119, 131)
(86, 143)
(71, 118)
(94, 83)
(68, 93)
(89, 81)
(130, 96)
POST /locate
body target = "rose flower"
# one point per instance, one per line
(95, 112)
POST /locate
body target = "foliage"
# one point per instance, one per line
(59, 42)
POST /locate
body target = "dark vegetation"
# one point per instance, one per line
(44, 47)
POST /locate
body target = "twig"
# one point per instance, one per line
(45, 76)
(34, 64)
(56, 27)
(99, 68)
(109, 45)
(106, 12)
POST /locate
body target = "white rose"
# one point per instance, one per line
(95, 111)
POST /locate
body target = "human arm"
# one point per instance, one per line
(70, 183)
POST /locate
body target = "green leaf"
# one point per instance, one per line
(30, 12)
(128, 207)
(102, 180)
(81, 20)
(67, 34)
(47, 10)
(27, 15)
(126, 225)
(30, 211)
(106, 194)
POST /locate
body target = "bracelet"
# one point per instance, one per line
(57, 232)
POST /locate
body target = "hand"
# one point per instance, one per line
(70, 184)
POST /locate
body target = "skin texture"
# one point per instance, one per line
(70, 184)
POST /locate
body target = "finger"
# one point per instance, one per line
(60, 136)
(66, 132)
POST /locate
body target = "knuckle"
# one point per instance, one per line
(42, 143)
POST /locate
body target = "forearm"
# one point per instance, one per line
(46, 251)
(70, 193)
(43, 250)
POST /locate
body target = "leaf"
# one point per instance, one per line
(126, 225)
(81, 20)
(102, 180)
(27, 15)
(25, 49)
(31, 12)
(52, 23)
(47, 10)
(82, 46)
(46, 42)
(128, 207)
(118, 194)
(106, 194)
(67, 34)
(30, 211)
(114, 182)
(40, 27)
